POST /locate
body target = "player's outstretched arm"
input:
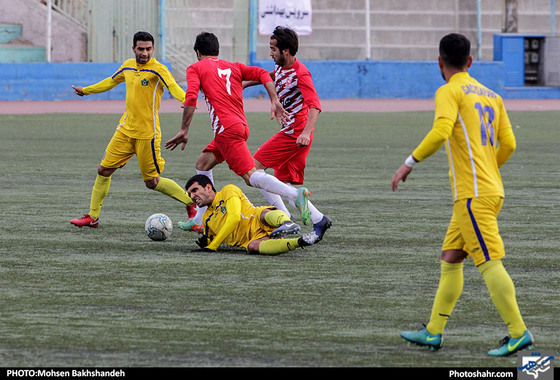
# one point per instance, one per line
(506, 147)
(79, 90)
(177, 92)
(400, 175)
(276, 108)
(233, 217)
(441, 130)
(251, 83)
(304, 138)
(182, 136)
(105, 85)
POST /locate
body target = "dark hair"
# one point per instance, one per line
(455, 50)
(285, 38)
(142, 36)
(207, 44)
(202, 181)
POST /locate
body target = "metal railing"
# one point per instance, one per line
(75, 10)
(396, 29)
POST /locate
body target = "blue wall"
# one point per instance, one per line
(386, 79)
(53, 81)
(333, 80)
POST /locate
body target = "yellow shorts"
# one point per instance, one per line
(121, 148)
(259, 229)
(474, 229)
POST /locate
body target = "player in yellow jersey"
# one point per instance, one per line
(230, 218)
(138, 132)
(473, 124)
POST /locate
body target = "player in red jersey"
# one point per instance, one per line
(221, 83)
(286, 152)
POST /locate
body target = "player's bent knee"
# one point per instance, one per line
(105, 172)
(253, 246)
(152, 183)
(454, 256)
(247, 177)
(205, 161)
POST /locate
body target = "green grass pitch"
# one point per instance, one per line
(112, 297)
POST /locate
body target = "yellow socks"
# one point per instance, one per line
(449, 290)
(502, 292)
(172, 189)
(98, 194)
(276, 217)
(102, 184)
(276, 246)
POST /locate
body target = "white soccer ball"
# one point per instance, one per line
(158, 227)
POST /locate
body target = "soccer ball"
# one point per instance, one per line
(158, 227)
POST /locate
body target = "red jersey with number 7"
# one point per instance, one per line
(221, 83)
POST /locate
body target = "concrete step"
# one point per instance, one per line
(9, 32)
(11, 53)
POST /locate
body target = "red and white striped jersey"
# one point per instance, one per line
(297, 94)
(221, 83)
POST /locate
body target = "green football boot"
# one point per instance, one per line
(510, 346)
(301, 203)
(423, 338)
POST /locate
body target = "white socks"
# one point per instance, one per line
(267, 182)
(276, 201)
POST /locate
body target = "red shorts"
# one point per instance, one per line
(287, 158)
(230, 146)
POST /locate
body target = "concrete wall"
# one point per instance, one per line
(69, 40)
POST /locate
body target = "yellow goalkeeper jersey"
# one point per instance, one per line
(479, 118)
(144, 87)
(244, 230)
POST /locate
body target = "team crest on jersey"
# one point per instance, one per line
(144, 82)
(223, 209)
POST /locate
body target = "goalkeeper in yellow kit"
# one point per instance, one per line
(473, 124)
(231, 219)
(138, 132)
